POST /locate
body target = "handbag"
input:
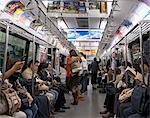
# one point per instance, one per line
(139, 98)
(13, 101)
(76, 67)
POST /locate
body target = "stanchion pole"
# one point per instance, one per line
(126, 51)
(6, 47)
(126, 57)
(52, 61)
(141, 50)
(33, 62)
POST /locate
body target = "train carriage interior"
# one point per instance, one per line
(74, 58)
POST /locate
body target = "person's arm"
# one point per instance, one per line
(16, 66)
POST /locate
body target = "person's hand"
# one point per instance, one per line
(43, 87)
(55, 82)
(30, 99)
(18, 65)
(39, 81)
(125, 90)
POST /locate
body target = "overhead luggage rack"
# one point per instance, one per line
(25, 33)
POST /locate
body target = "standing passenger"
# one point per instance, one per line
(84, 78)
(74, 78)
(67, 71)
(94, 69)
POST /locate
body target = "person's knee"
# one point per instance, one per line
(29, 113)
(20, 114)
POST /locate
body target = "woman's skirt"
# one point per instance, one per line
(74, 81)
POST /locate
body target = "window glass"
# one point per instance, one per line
(2, 47)
(30, 56)
(16, 48)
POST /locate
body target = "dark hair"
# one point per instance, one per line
(128, 64)
(73, 53)
(30, 62)
(83, 54)
(42, 65)
(118, 71)
(136, 65)
(95, 59)
(11, 63)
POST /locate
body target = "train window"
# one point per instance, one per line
(30, 51)
(135, 52)
(16, 47)
(30, 54)
(2, 47)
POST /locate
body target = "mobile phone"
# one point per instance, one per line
(23, 58)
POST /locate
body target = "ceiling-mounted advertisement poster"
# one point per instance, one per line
(103, 7)
(12, 6)
(70, 7)
(3, 3)
(25, 19)
(84, 35)
(54, 6)
(146, 2)
(94, 5)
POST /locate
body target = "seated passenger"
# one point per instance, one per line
(45, 75)
(41, 88)
(27, 104)
(139, 98)
(110, 97)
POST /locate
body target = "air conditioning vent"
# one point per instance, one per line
(83, 22)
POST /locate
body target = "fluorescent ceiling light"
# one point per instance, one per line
(103, 24)
(62, 25)
(45, 3)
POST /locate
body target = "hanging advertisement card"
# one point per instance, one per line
(54, 6)
(103, 7)
(70, 7)
(94, 5)
(3, 3)
(12, 6)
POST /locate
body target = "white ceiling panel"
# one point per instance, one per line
(87, 48)
(71, 22)
(94, 23)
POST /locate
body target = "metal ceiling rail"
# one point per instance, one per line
(54, 29)
(134, 36)
(24, 33)
(104, 33)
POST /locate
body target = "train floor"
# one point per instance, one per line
(89, 108)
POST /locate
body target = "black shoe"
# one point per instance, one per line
(60, 110)
(64, 107)
(94, 88)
